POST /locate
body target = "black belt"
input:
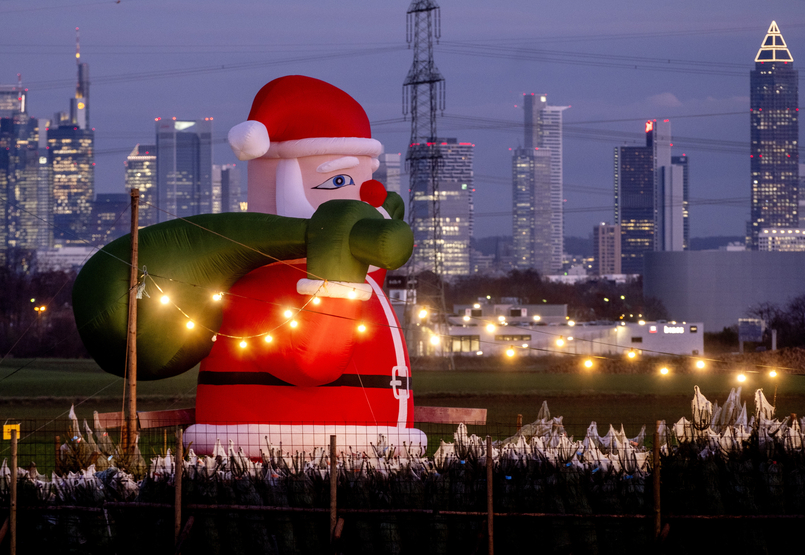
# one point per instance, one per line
(263, 378)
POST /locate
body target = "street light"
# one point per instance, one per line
(490, 328)
(700, 364)
(434, 339)
(422, 313)
(510, 352)
(630, 353)
(560, 341)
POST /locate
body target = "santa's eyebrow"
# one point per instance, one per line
(343, 163)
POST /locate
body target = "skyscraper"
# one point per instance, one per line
(111, 218)
(24, 185)
(532, 244)
(227, 195)
(71, 156)
(774, 155)
(388, 173)
(650, 197)
(607, 249)
(543, 131)
(12, 100)
(141, 173)
(184, 167)
(682, 162)
(455, 185)
(71, 150)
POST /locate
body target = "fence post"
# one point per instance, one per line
(177, 486)
(656, 476)
(490, 507)
(519, 422)
(12, 513)
(333, 487)
(57, 464)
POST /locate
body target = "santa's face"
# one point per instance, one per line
(331, 177)
(297, 186)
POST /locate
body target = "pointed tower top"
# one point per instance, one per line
(773, 48)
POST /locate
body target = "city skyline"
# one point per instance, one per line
(546, 53)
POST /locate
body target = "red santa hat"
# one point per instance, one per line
(296, 116)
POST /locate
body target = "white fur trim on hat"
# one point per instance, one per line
(354, 146)
(249, 140)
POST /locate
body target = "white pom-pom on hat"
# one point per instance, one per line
(249, 140)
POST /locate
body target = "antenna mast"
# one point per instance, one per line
(423, 95)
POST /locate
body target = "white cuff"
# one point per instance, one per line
(334, 289)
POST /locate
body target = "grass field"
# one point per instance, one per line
(45, 388)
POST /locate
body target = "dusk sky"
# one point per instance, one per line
(615, 63)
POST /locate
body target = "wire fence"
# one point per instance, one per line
(80, 491)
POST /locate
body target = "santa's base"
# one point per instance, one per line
(253, 438)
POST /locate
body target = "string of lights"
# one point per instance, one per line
(436, 338)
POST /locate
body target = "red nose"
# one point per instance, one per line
(373, 192)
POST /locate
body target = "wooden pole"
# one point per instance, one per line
(12, 513)
(333, 487)
(130, 416)
(656, 477)
(490, 508)
(177, 484)
(519, 422)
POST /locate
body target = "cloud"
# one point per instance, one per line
(665, 100)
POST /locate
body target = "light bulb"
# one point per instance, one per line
(699, 364)
(741, 378)
(361, 328)
(490, 328)
(434, 339)
(536, 318)
(560, 341)
(243, 344)
(663, 370)
(190, 325)
(423, 313)
(352, 294)
(287, 313)
(588, 363)
(466, 318)
(510, 352)
(164, 299)
(316, 300)
(631, 354)
(269, 339)
(773, 374)
(294, 323)
(571, 323)
(216, 297)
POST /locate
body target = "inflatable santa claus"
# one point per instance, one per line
(283, 305)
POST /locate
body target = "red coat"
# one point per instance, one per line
(322, 371)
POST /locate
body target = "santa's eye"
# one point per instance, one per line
(336, 182)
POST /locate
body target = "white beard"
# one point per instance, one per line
(291, 199)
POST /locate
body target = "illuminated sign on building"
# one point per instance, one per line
(649, 126)
(673, 329)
